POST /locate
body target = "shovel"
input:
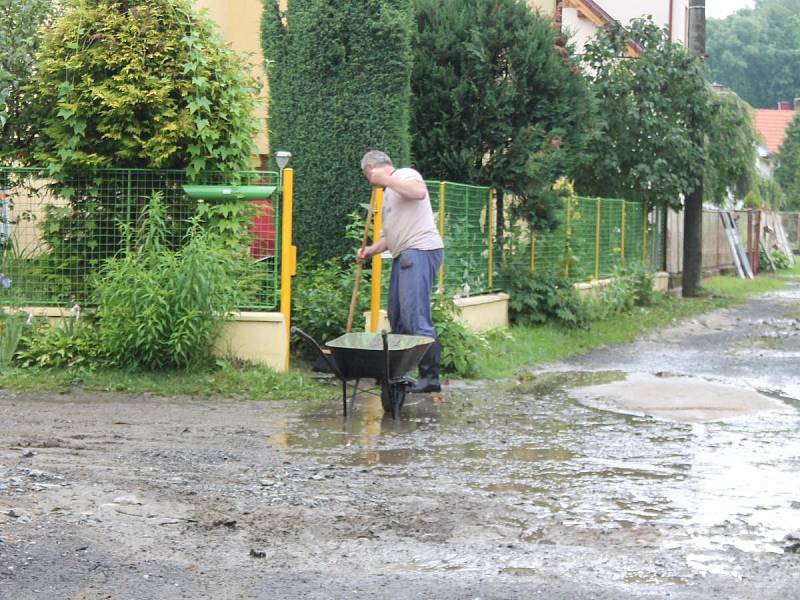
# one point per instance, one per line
(360, 267)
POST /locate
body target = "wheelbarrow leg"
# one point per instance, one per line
(344, 398)
(353, 399)
(397, 400)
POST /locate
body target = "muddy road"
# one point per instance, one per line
(573, 482)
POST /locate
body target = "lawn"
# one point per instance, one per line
(538, 345)
(530, 347)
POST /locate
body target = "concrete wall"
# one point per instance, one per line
(256, 337)
(479, 313)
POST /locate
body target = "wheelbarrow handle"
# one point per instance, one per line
(313, 343)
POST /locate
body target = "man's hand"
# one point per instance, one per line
(364, 254)
(379, 177)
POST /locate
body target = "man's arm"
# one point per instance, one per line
(408, 189)
(378, 247)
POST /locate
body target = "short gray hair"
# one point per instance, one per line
(375, 157)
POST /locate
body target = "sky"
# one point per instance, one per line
(719, 9)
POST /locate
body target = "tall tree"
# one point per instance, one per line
(497, 100)
(649, 107)
(788, 171)
(756, 52)
(339, 85)
(730, 149)
(21, 26)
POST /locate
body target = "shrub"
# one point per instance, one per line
(321, 300)
(11, 328)
(72, 344)
(339, 85)
(631, 286)
(543, 298)
(461, 348)
(159, 307)
(141, 83)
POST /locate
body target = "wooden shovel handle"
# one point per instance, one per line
(360, 267)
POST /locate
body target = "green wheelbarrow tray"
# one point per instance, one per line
(226, 192)
(385, 357)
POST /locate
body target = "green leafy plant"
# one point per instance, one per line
(544, 298)
(161, 308)
(11, 328)
(497, 100)
(12, 320)
(141, 83)
(321, 299)
(71, 344)
(631, 286)
(461, 348)
(20, 29)
(778, 259)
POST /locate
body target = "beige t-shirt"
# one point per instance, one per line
(409, 223)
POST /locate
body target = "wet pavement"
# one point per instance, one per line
(541, 486)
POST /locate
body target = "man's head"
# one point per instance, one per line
(375, 159)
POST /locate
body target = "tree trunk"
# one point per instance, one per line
(693, 243)
(693, 210)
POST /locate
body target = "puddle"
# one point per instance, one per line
(682, 399)
(698, 481)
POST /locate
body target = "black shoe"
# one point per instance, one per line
(426, 385)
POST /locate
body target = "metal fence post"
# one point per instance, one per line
(441, 230)
(375, 301)
(568, 237)
(622, 243)
(491, 239)
(598, 221)
(128, 198)
(288, 256)
(645, 214)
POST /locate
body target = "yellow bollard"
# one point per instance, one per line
(645, 215)
(375, 300)
(597, 239)
(622, 243)
(491, 239)
(288, 256)
(441, 230)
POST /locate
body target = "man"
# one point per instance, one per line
(410, 234)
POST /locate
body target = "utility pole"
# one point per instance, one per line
(693, 206)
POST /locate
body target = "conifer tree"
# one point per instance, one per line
(338, 72)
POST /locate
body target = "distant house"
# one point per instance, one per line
(583, 18)
(771, 125)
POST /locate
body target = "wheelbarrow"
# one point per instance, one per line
(387, 358)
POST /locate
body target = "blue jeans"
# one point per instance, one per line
(410, 288)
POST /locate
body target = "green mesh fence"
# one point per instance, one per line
(466, 235)
(55, 238)
(592, 239)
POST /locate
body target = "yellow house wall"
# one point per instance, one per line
(546, 7)
(239, 22)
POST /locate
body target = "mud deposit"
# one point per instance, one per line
(510, 491)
